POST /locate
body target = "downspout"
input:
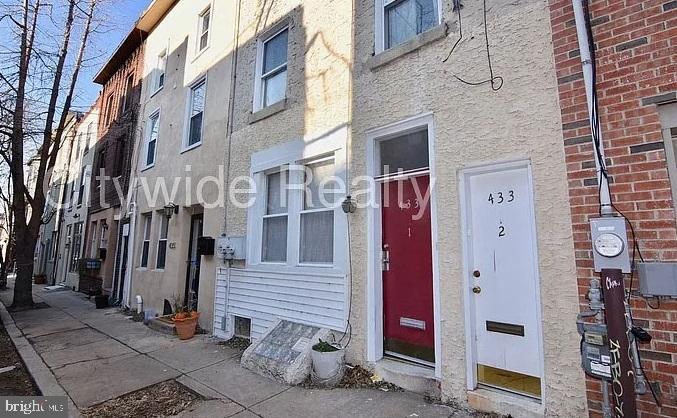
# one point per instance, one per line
(586, 61)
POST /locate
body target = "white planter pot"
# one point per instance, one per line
(328, 367)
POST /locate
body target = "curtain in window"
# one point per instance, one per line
(317, 217)
(407, 18)
(274, 248)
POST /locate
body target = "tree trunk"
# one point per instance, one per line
(23, 287)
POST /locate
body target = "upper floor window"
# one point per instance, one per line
(205, 18)
(81, 189)
(109, 109)
(129, 92)
(271, 74)
(195, 113)
(398, 21)
(89, 136)
(161, 69)
(151, 144)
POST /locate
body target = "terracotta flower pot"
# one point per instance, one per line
(185, 327)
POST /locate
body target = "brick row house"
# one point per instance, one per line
(636, 57)
(415, 176)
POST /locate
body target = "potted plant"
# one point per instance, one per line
(328, 363)
(185, 323)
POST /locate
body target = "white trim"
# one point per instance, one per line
(258, 75)
(293, 155)
(379, 22)
(208, 9)
(374, 283)
(201, 80)
(468, 305)
(155, 114)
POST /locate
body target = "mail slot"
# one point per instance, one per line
(503, 328)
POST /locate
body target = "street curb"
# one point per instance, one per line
(42, 375)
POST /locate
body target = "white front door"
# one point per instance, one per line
(504, 280)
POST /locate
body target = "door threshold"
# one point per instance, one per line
(410, 360)
(508, 392)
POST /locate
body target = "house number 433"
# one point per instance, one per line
(499, 198)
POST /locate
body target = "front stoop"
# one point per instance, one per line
(162, 324)
(408, 376)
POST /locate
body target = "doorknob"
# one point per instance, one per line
(476, 273)
(476, 289)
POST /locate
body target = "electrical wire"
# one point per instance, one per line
(595, 133)
(495, 81)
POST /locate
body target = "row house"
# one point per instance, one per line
(180, 153)
(121, 79)
(636, 83)
(76, 198)
(49, 257)
(416, 176)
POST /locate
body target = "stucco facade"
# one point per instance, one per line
(72, 241)
(474, 125)
(191, 173)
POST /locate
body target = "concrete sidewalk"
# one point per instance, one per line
(97, 355)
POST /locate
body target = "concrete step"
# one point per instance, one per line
(409, 376)
(162, 324)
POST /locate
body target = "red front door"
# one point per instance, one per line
(407, 269)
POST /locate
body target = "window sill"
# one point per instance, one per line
(268, 111)
(190, 147)
(422, 39)
(199, 53)
(148, 167)
(156, 91)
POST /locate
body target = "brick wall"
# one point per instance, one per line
(117, 125)
(636, 66)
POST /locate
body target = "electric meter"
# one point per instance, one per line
(609, 245)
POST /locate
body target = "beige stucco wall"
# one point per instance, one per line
(473, 125)
(318, 81)
(177, 34)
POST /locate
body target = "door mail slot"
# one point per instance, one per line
(503, 328)
(412, 323)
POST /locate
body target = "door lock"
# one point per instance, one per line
(476, 273)
(476, 290)
(385, 258)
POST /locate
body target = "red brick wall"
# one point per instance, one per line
(636, 66)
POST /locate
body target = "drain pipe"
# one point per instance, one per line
(586, 62)
(602, 181)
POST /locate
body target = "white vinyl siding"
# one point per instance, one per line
(266, 296)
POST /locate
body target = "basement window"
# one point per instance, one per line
(243, 327)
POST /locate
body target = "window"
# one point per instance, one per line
(274, 242)
(109, 109)
(271, 80)
(76, 244)
(89, 136)
(145, 246)
(196, 111)
(81, 190)
(129, 92)
(92, 240)
(402, 20)
(406, 153)
(203, 41)
(668, 118)
(161, 68)
(162, 243)
(102, 168)
(317, 216)
(153, 128)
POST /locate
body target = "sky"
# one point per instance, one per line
(118, 16)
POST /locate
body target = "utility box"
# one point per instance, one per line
(232, 247)
(610, 244)
(657, 279)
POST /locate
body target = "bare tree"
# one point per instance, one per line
(39, 73)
